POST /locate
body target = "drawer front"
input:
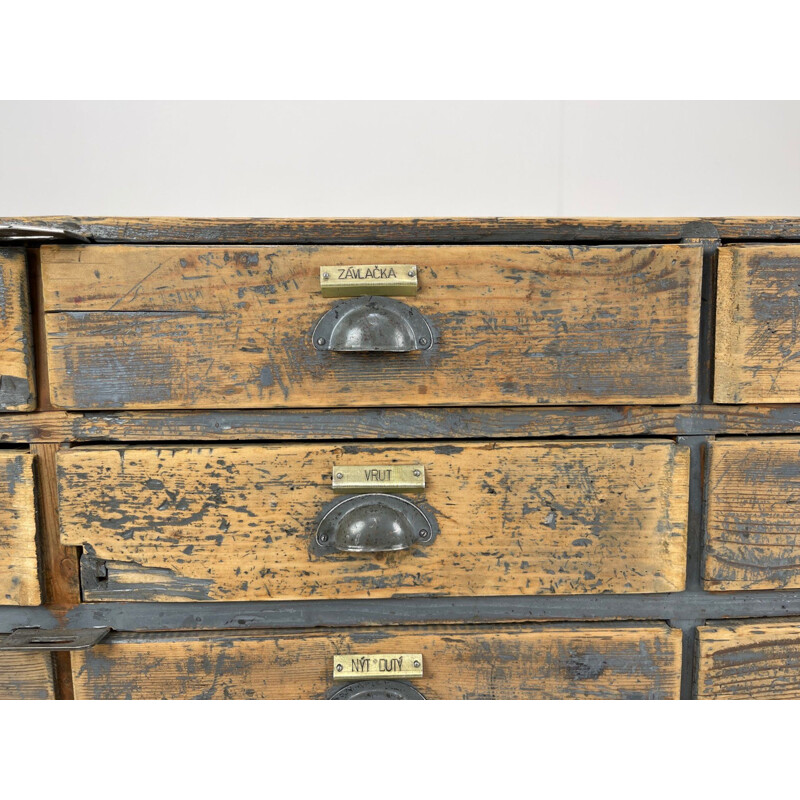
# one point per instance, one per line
(215, 327)
(19, 574)
(236, 523)
(17, 391)
(758, 325)
(486, 662)
(752, 527)
(26, 676)
(749, 661)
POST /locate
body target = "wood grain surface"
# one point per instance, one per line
(752, 523)
(235, 523)
(17, 392)
(26, 676)
(460, 662)
(749, 660)
(214, 327)
(758, 324)
(19, 571)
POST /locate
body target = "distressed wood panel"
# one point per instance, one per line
(460, 662)
(752, 524)
(19, 574)
(758, 324)
(17, 392)
(464, 230)
(533, 422)
(26, 676)
(214, 327)
(235, 523)
(749, 661)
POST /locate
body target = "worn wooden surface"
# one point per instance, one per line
(235, 523)
(752, 523)
(758, 324)
(17, 385)
(542, 422)
(496, 230)
(749, 660)
(19, 572)
(26, 676)
(215, 327)
(460, 662)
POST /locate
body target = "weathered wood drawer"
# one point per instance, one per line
(749, 660)
(26, 676)
(19, 573)
(758, 324)
(458, 662)
(752, 523)
(17, 392)
(213, 327)
(238, 523)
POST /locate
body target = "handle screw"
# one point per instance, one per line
(423, 534)
(338, 667)
(322, 538)
(320, 341)
(423, 340)
(417, 473)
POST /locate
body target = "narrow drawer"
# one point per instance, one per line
(752, 523)
(17, 391)
(19, 573)
(457, 662)
(214, 327)
(749, 660)
(758, 325)
(241, 523)
(26, 676)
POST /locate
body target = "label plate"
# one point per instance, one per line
(378, 477)
(374, 279)
(359, 666)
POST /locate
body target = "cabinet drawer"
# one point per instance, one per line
(19, 574)
(216, 327)
(752, 524)
(758, 325)
(16, 354)
(238, 523)
(749, 660)
(26, 676)
(458, 662)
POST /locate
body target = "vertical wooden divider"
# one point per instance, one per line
(59, 565)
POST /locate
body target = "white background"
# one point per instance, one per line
(288, 159)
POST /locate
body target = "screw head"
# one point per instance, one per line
(322, 538)
(423, 340)
(417, 473)
(338, 667)
(320, 341)
(416, 664)
(423, 534)
(325, 276)
(411, 273)
(339, 476)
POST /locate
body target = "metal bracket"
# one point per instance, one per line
(372, 325)
(373, 523)
(377, 690)
(26, 233)
(36, 639)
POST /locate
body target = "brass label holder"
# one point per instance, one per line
(369, 279)
(355, 667)
(349, 479)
